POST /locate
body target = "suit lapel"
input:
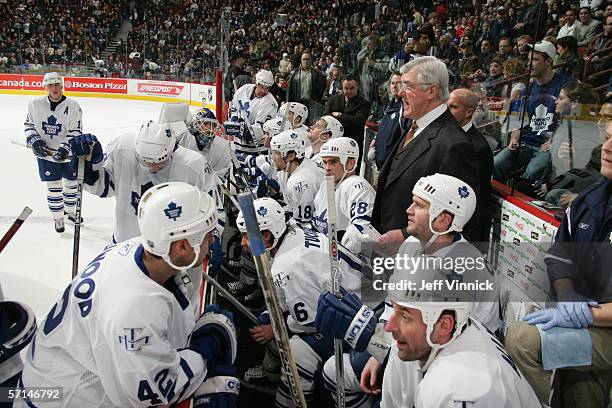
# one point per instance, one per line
(407, 156)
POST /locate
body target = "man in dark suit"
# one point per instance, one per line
(306, 82)
(462, 104)
(435, 143)
(351, 109)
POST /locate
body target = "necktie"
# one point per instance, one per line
(410, 134)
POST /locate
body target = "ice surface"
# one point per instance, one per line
(35, 266)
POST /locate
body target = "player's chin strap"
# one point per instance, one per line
(435, 234)
(345, 172)
(196, 250)
(436, 348)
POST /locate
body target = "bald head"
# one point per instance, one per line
(462, 104)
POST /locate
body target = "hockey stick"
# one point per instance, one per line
(76, 242)
(25, 213)
(262, 264)
(330, 184)
(242, 308)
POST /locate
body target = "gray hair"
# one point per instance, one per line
(430, 71)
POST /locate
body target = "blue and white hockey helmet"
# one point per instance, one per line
(172, 211)
(270, 216)
(52, 78)
(289, 141)
(447, 193)
(154, 144)
(343, 148)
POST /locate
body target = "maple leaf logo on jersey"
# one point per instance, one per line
(245, 107)
(173, 211)
(51, 127)
(541, 119)
(262, 211)
(463, 192)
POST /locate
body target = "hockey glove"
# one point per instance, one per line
(219, 390)
(38, 146)
(214, 336)
(346, 319)
(61, 154)
(83, 145)
(17, 327)
(232, 129)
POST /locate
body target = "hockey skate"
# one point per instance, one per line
(59, 225)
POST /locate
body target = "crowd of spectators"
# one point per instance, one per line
(35, 33)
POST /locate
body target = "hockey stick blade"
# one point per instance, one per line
(25, 213)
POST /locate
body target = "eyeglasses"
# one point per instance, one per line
(408, 86)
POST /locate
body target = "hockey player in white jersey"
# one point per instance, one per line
(301, 272)
(299, 177)
(207, 139)
(135, 163)
(443, 357)
(251, 107)
(442, 205)
(124, 334)
(51, 122)
(325, 128)
(354, 195)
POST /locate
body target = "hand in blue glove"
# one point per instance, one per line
(61, 153)
(215, 254)
(576, 308)
(346, 319)
(219, 390)
(86, 144)
(549, 318)
(38, 146)
(214, 336)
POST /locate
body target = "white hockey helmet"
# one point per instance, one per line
(287, 141)
(341, 147)
(264, 77)
(297, 109)
(447, 193)
(273, 126)
(52, 78)
(172, 211)
(155, 143)
(270, 216)
(333, 127)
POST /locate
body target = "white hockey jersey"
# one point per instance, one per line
(473, 371)
(255, 112)
(217, 154)
(117, 338)
(354, 205)
(300, 188)
(301, 271)
(123, 177)
(55, 127)
(315, 157)
(486, 305)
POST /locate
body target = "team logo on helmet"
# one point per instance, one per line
(173, 211)
(294, 135)
(463, 192)
(168, 132)
(262, 211)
